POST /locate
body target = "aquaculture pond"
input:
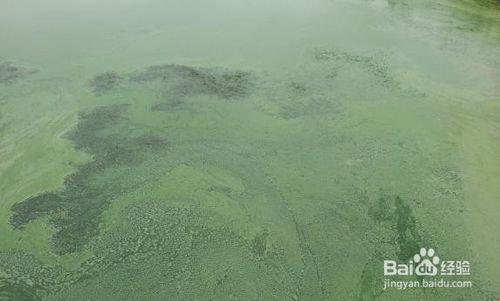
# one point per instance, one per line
(249, 150)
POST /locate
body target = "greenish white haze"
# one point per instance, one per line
(300, 145)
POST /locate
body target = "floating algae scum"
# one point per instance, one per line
(235, 150)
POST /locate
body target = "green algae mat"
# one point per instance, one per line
(249, 150)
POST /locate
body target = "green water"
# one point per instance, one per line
(246, 150)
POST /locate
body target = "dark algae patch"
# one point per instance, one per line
(179, 82)
(404, 240)
(75, 210)
(10, 72)
(407, 237)
(297, 87)
(184, 81)
(115, 144)
(104, 82)
(259, 244)
(193, 80)
(398, 213)
(374, 65)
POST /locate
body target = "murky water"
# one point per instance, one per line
(246, 150)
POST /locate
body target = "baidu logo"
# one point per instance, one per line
(426, 263)
(430, 269)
